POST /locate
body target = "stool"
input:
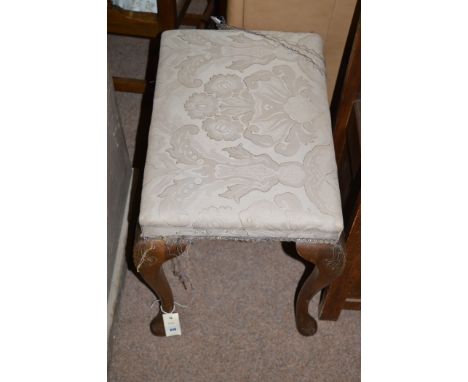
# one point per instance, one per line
(240, 147)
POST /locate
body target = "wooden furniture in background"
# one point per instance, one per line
(348, 86)
(345, 291)
(151, 25)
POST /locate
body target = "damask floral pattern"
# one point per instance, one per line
(224, 85)
(222, 128)
(201, 105)
(276, 107)
(285, 110)
(240, 144)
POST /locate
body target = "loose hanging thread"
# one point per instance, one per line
(298, 49)
(143, 258)
(173, 309)
(176, 264)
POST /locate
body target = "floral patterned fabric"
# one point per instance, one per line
(240, 144)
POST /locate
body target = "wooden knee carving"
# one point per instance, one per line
(149, 256)
(329, 262)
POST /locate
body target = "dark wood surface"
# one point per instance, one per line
(142, 24)
(130, 85)
(137, 24)
(345, 292)
(329, 261)
(145, 25)
(151, 25)
(348, 86)
(148, 257)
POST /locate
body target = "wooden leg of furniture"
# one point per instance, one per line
(345, 291)
(329, 262)
(149, 256)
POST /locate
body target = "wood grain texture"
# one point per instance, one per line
(352, 305)
(136, 24)
(151, 25)
(148, 257)
(348, 285)
(346, 122)
(335, 297)
(329, 261)
(130, 85)
(145, 25)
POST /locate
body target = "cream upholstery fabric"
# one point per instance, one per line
(329, 18)
(240, 143)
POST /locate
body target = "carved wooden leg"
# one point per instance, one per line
(329, 262)
(149, 256)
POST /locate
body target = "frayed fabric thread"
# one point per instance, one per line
(143, 257)
(300, 50)
(179, 271)
(190, 239)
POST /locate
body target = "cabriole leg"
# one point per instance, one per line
(149, 256)
(329, 262)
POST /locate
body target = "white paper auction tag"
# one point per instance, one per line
(171, 324)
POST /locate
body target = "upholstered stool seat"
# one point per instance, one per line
(240, 144)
